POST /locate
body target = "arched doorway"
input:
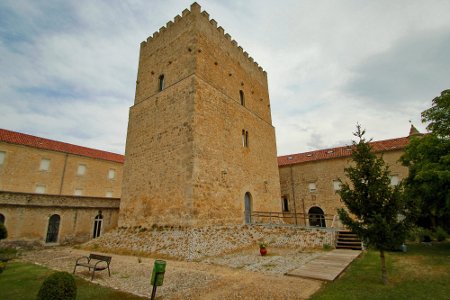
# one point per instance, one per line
(2, 218)
(53, 229)
(316, 217)
(248, 208)
(98, 225)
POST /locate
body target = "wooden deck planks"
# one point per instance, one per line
(328, 266)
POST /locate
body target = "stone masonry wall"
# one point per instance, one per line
(197, 243)
(27, 215)
(20, 172)
(323, 173)
(185, 161)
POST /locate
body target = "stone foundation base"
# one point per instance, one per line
(199, 242)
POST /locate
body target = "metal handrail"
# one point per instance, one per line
(299, 219)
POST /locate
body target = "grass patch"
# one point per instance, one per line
(21, 281)
(421, 273)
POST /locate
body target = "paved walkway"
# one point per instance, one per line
(328, 266)
(193, 280)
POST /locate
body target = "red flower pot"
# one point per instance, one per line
(263, 251)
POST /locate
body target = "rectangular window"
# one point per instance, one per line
(81, 170)
(40, 189)
(336, 185)
(395, 180)
(285, 204)
(2, 157)
(109, 194)
(241, 97)
(45, 164)
(312, 187)
(78, 192)
(111, 174)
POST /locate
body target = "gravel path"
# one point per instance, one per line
(241, 275)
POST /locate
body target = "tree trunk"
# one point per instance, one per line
(383, 268)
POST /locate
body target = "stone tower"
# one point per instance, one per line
(200, 145)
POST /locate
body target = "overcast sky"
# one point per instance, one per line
(68, 68)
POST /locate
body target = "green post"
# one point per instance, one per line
(160, 268)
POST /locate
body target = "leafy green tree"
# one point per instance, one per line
(439, 115)
(428, 161)
(377, 211)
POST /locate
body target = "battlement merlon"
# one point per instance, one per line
(195, 10)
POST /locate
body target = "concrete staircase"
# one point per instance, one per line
(348, 240)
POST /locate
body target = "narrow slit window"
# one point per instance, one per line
(161, 82)
(244, 138)
(241, 97)
(285, 204)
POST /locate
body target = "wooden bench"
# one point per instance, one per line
(96, 262)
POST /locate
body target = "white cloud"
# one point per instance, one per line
(68, 69)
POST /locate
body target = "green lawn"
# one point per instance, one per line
(421, 273)
(21, 281)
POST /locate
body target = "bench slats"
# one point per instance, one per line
(94, 265)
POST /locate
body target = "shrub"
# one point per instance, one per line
(3, 231)
(441, 234)
(7, 254)
(58, 286)
(424, 235)
(2, 266)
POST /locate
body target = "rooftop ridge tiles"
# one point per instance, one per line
(24, 139)
(342, 151)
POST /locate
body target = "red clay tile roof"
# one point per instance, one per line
(41, 143)
(377, 146)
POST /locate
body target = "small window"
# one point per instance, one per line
(285, 204)
(395, 180)
(78, 192)
(312, 187)
(244, 138)
(111, 174)
(241, 97)
(40, 189)
(98, 225)
(336, 185)
(109, 194)
(2, 157)
(81, 170)
(45, 164)
(161, 82)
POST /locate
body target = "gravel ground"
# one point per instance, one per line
(240, 275)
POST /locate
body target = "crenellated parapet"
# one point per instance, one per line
(195, 10)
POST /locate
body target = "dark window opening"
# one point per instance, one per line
(241, 97)
(244, 138)
(285, 204)
(97, 225)
(316, 217)
(2, 219)
(248, 208)
(161, 82)
(53, 229)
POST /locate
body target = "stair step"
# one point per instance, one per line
(349, 247)
(348, 240)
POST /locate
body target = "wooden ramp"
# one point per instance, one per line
(328, 266)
